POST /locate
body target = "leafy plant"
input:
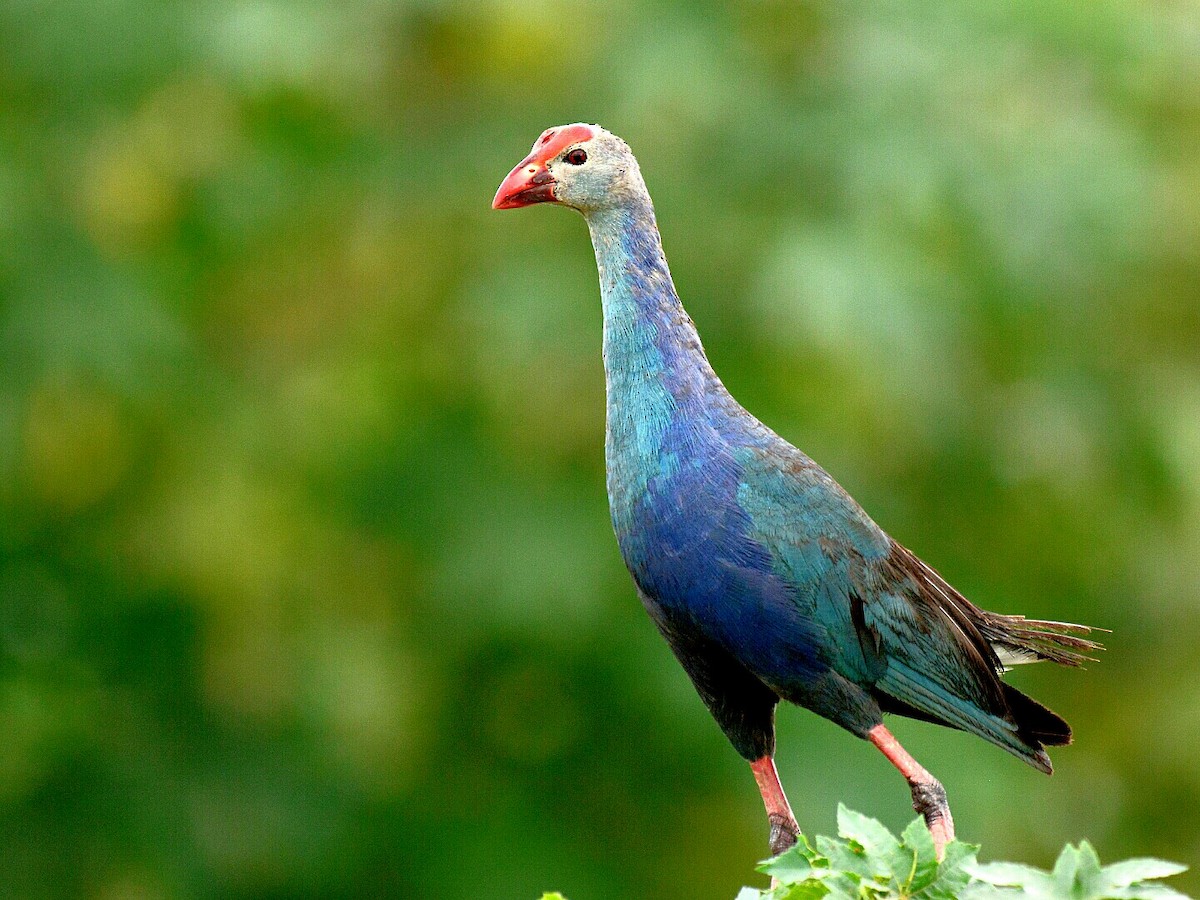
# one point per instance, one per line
(1077, 875)
(868, 862)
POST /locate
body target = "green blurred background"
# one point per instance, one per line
(308, 585)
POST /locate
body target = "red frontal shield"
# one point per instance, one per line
(529, 182)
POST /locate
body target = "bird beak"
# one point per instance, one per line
(530, 182)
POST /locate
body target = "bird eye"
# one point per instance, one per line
(576, 157)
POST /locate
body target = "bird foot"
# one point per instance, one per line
(929, 799)
(784, 833)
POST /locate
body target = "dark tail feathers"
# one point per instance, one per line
(1036, 724)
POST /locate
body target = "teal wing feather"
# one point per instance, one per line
(893, 625)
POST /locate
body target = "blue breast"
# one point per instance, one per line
(691, 553)
(676, 473)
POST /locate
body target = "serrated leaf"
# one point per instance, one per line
(805, 848)
(868, 833)
(842, 885)
(1064, 869)
(902, 866)
(952, 876)
(1076, 874)
(919, 841)
(790, 866)
(814, 857)
(824, 844)
(1005, 873)
(948, 886)
(1089, 876)
(960, 855)
(806, 890)
(1125, 873)
(844, 857)
(885, 856)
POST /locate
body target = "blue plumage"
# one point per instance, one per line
(766, 578)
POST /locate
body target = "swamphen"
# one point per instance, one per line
(765, 577)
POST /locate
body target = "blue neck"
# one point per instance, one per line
(654, 366)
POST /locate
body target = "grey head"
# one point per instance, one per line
(580, 166)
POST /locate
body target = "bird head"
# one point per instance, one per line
(581, 166)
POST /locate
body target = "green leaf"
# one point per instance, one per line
(1033, 882)
(846, 857)
(805, 850)
(810, 853)
(807, 890)
(790, 866)
(1005, 873)
(844, 886)
(918, 839)
(555, 895)
(885, 857)
(1123, 874)
(868, 833)
(1076, 874)
(952, 875)
(959, 855)
(746, 893)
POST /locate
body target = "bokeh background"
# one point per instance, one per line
(307, 584)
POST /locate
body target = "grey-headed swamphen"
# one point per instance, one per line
(767, 580)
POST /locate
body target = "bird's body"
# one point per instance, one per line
(766, 578)
(747, 553)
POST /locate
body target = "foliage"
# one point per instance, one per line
(1077, 876)
(867, 861)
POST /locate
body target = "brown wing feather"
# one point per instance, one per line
(936, 601)
(1060, 642)
(979, 635)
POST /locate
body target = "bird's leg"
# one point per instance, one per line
(929, 797)
(784, 829)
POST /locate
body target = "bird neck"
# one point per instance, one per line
(647, 332)
(658, 380)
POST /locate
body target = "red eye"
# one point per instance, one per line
(576, 157)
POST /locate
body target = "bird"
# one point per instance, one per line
(767, 580)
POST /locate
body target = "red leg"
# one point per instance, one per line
(784, 829)
(929, 797)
